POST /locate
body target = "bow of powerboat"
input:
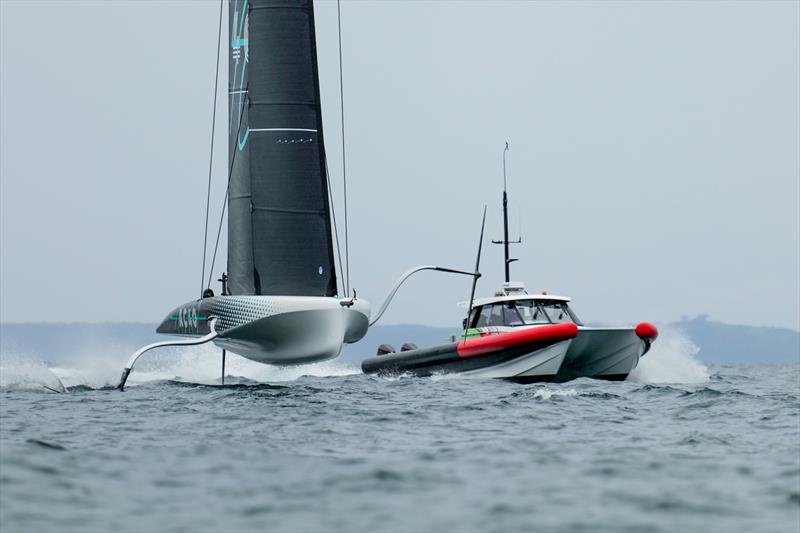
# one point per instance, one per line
(609, 353)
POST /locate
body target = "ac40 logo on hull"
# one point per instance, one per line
(189, 318)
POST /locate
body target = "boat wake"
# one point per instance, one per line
(100, 369)
(18, 372)
(202, 365)
(547, 393)
(671, 360)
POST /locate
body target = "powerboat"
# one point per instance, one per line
(523, 337)
(609, 353)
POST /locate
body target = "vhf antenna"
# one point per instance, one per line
(505, 242)
(475, 276)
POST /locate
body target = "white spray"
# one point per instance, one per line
(25, 373)
(671, 360)
(100, 366)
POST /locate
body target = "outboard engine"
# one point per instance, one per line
(408, 346)
(383, 349)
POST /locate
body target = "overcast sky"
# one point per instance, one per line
(654, 166)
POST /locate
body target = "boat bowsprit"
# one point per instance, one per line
(526, 355)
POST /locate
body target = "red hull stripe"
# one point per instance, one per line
(646, 330)
(492, 343)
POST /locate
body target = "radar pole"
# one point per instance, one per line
(505, 242)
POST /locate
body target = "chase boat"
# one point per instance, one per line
(523, 337)
(609, 353)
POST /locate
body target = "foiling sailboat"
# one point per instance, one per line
(523, 337)
(280, 301)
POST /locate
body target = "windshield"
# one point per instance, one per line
(500, 314)
(522, 313)
(545, 312)
(531, 313)
(557, 312)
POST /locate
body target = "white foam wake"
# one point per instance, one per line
(24, 373)
(546, 394)
(102, 366)
(671, 360)
(202, 364)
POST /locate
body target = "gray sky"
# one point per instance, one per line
(654, 165)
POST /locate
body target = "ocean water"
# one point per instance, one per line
(678, 447)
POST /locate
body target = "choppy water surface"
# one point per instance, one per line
(341, 451)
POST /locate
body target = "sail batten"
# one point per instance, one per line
(279, 225)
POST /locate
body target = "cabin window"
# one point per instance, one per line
(496, 315)
(481, 316)
(500, 314)
(557, 312)
(531, 313)
(573, 315)
(510, 315)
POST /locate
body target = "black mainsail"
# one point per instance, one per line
(279, 224)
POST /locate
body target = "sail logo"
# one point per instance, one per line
(239, 55)
(293, 141)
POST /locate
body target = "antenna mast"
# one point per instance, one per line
(505, 242)
(505, 217)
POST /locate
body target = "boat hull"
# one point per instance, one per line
(283, 330)
(603, 353)
(599, 353)
(525, 355)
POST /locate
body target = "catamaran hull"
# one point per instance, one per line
(525, 356)
(281, 330)
(606, 353)
(599, 353)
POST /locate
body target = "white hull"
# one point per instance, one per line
(282, 330)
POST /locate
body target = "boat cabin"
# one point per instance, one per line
(521, 310)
